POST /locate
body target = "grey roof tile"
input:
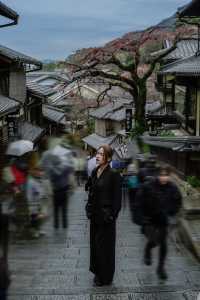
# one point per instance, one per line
(183, 143)
(111, 111)
(185, 48)
(54, 114)
(39, 90)
(31, 132)
(17, 56)
(95, 141)
(188, 66)
(7, 105)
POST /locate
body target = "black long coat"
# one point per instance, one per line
(104, 204)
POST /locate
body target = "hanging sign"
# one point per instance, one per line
(128, 121)
(13, 126)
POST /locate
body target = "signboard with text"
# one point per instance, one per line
(13, 126)
(128, 121)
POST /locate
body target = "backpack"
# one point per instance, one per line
(61, 181)
(132, 182)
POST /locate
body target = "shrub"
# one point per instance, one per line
(193, 181)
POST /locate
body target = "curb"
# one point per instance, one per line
(187, 238)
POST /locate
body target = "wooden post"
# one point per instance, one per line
(173, 95)
(198, 113)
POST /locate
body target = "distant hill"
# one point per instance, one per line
(166, 29)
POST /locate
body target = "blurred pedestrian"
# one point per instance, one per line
(4, 279)
(59, 172)
(148, 170)
(91, 165)
(158, 200)
(35, 193)
(79, 165)
(15, 176)
(104, 204)
(132, 185)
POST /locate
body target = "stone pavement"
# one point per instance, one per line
(56, 266)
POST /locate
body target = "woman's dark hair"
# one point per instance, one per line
(164, 170)
(108, 152)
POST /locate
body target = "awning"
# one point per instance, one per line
(95, 141)
(31, 132)
(54, 115)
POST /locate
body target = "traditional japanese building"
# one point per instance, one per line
(179, 81)
(110, 123)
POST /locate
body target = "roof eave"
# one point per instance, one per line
(9, 13)
(9, 111)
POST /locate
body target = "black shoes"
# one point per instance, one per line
(97, 282)
(148, 259)
(162, 273)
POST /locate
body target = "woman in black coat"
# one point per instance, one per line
(104, 204)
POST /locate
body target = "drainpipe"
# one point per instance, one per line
(198, 113)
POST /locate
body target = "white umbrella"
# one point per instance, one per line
(19, 148)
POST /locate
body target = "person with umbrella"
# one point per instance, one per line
(57, 163)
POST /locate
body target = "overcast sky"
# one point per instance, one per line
(52, 29)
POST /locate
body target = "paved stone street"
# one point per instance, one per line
(56, 266)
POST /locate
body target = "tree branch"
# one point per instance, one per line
(158, 58)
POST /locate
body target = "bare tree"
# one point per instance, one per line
(119, 64)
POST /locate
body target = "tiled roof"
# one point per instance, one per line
(153, 106)
(31, 132)
(61, 102)
(112, 111)
(56, 77)
(190, 10)
(188, 66)
(95, 141)
(39, 90)
(54, 114)
(181, 144)
(7, 12)
(185, 48)
(17, 56)
(7, 105)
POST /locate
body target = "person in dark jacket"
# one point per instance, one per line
(103, 206)
(149, 169)
(158, 200)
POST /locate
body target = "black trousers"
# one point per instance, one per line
(161, 242)
(4, 235)
(60, 202)
(3, 294)
(102, 251)
(132, 193)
